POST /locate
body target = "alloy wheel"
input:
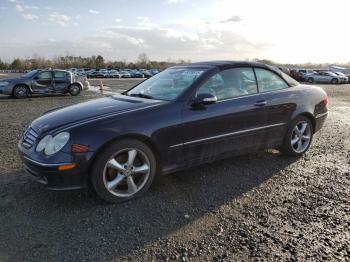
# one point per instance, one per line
(126, 172)
(301, 137)
(74, 90)
(21, 91)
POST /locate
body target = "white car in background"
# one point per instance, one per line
(125, 74)
(113, 74)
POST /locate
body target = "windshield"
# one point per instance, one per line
(167, 85)
(30, 74)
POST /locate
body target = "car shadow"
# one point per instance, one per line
(60, 225)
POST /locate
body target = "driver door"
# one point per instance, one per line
(235, 122)
(42, 82)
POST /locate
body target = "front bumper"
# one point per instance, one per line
(55, 179)
(6, 90)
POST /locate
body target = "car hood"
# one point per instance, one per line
(93, 110)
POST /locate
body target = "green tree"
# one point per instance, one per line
(2, 65)
(100, 62)
(17, 64)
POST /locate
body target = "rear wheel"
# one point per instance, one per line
(74, 90)
(334, 81)
(298, 138)
(21, 91)
(123, 171)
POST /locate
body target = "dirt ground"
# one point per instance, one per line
(261, 206)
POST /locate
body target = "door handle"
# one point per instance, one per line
(260, 103)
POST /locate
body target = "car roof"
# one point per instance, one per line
(225, 64)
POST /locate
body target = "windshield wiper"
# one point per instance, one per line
(141, 95)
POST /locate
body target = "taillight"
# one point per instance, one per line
(325, 100)
(78, 148)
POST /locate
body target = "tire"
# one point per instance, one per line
(127, 178)
(21, 91)
(298, 137)
(74, 90)
(334, 81)
(310, 80)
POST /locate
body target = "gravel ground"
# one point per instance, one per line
(262, 206)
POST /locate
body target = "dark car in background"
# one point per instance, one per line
(136, 73)
(153, 71)
(182, 117)
(42, 82)
(146, 73)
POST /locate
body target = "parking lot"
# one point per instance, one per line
(257, 206)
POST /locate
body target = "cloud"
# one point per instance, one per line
(13, 1)
(32, 7)
(145, 22)
(175, 1)
(30, 17)
(19, 8)
(94, 12)
(234, 18)
(118, 20)
(122, 42)
(59, 19)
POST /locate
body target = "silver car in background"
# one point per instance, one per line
(325, 77)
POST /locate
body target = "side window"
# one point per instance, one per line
(60, 74)
(231, 83)
(269, 81)
(44, 75)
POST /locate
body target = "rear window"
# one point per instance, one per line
(59, 74)
(291, 81)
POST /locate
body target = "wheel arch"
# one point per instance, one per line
(77, 83)
(310, 117)
(22, 84)
(142, 138)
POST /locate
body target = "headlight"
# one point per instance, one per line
(4, 83)
(43, 143)
(52, 145)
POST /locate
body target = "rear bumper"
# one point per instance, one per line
(54, 179)
(320, 119)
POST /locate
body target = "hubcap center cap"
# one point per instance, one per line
(129, 170)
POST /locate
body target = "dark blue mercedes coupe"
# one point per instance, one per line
(184, 116)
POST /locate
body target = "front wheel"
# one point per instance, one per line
(124, 171)
(310, 80)
(298, 137)
(334, 81)
(21, 91)
(74, 90)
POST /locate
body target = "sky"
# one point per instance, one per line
(295, 31)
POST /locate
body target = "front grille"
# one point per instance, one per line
(29, 138)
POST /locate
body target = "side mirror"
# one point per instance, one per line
(35, 78)
(205, 99)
